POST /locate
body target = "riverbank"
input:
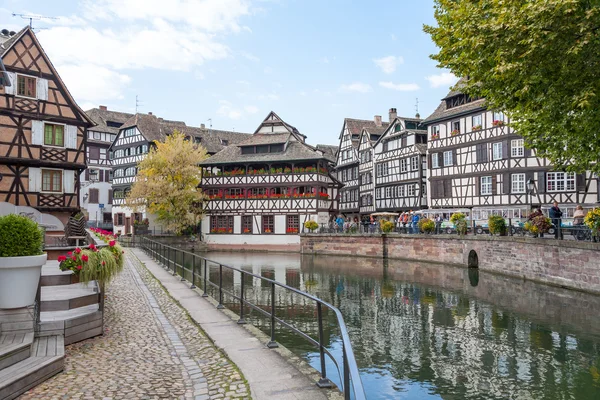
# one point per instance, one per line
(573, 265)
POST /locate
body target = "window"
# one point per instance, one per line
(448, 158)
(403, 165)
(516, 148)
(54, 135)
(560, 181)
(435, 160)
(268, 223)
(93, 175)
(118, 154)
(131, 171)
(486, 185)
(292, 224)
(119, 173)
(388, 192)
(198, 140)
(477, 121)
(456, 127)
(276, 148)
(497, 151)
(225, 142)
(262, 148)
(120, 219)
(414, 163)
(246, 224)
(221, 224)
(129, 132)
(51, 180)
(26, 86)
(110, 196)
(385, 169)
(94, 194)
(435, 130)
(497, 116)
(411, 190)
(518, 183)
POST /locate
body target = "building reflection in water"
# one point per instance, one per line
(430, 331)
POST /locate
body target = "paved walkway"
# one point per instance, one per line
(150, 350)
(269, 375)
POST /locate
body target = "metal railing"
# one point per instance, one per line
(168, 256)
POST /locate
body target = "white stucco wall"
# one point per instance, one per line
(252, 239)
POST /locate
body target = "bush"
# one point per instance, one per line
(20, 237)
(537, 225)
(497, 225)
(386, 226)
(460, 223)
(426, 225)
(592, 221)
(311, 225)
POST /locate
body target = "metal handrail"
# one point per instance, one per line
(351, 382)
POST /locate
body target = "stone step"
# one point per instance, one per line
(66, 297)
(53, 276)
(75, 325)
(14, 348)
(46, 359)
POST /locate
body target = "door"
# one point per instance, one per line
(127, 225)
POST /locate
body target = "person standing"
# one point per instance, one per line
(340, 223)
(555, 216)
(415, 223)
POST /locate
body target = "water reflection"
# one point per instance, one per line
(429, 332)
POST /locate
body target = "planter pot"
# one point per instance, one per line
(19, 279)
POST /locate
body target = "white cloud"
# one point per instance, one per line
(231, 111)
(105, 85)
(243, 82)
(358, 87)
(250, 56)
(388, 64)
(401, 87)
(251, 109)
(270, 96)
(443, 79)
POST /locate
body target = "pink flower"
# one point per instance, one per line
(84, 257)
(112, 243)
(78, 250)
(62, 258)
(79, 267)
(74, 258)
(92, 246)
(103, 263)
(69, 253)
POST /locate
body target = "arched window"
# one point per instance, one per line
(118, 173)
(118, 154)
(131, 171)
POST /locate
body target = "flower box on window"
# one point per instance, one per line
(455, 132)
(292, 230)
(435, 136)
(498, 122)
(477, 127)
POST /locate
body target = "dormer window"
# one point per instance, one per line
(225, 142)
(26, 86)
(197, 140)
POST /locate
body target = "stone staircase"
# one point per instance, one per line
(69, 312)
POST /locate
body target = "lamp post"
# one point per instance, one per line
(530, 188)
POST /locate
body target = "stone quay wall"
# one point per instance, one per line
(575, 265)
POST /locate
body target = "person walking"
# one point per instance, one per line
(340, 223)
(555, 216)
(415, 223)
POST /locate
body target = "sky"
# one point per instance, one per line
(230, 62)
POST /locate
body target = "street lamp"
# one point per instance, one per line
(530, 188)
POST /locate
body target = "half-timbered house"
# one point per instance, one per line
(96, 193)
(131, 146)
(476, 159)
(368, 137)
(265, 188)
(347, 163)
(43, 133)
(401, 166)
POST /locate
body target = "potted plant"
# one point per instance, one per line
(538, 225)
(455, 132)
(426, 225)
(477, 127)
(460, 223)
(386, 226)
(592, 221)
(311, 225)
(21, 260)
(497, 225)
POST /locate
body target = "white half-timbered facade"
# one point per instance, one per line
(401, 166)
(263, 190)
(476, 159)
(366, 171)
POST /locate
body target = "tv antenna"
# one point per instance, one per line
(209, 125)
(138, 103)
(32, 17)
(417, 108)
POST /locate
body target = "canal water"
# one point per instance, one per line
(423, 331)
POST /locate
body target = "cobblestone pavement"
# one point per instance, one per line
(150, 350)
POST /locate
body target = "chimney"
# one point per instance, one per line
(393, 114)
(202, 126)
(150, 113)
(103, 108)
(377, 120)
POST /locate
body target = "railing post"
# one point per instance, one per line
(510, 227)
(193, 272)
(182, 266)
(474, 227)
(174, 260)
(204, 294)
(323, 382)
(220, 305)
(272, 344)
(242, 321)
(346, 389)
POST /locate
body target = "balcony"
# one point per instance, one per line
(269, 179)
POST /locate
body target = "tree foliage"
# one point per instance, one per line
(536, 60)
(167, 182)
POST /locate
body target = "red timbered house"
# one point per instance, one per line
(42, 133)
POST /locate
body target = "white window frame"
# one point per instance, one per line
(414, 163)
(410, 190)
(62, 180)
(435, 161)
(497, 151)
(435, 130)
(16, 83)
(486, 186)
(479, 119)
(498, 116)
(517, 148)
(403, 165)
(448, 161)
(517, 183)
(560, 182)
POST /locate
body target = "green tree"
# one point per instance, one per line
(167, 182)
(538, 61)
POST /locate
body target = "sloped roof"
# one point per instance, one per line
(269, 138)
(100, 118)
(329, 151)
(356, 125)
(295, 151)
(7, 44)
(442, 112)
(421, 147)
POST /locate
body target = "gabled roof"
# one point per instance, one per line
(101, 117)
(388, 132)
(442, 112)
(261, 138)
(8, 44)
(329, 151)
(355, 126)
(273, 119)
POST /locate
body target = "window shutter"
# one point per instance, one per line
(478, 153)
(404, 141)
(35, 180)
(528, 175)
(448, 188)
(484, 153)
(454, 157)
(37, 132)
(494, 184)
(12, 89)
(42, 89)
(87, 174)
(505, 150)
(506, 184)
(526, 152)
(115, 219)
(440, 156)
(478, 186)
(71, 137)
(110, 196)
(580, 183)
(541, 182)
(69, 181)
